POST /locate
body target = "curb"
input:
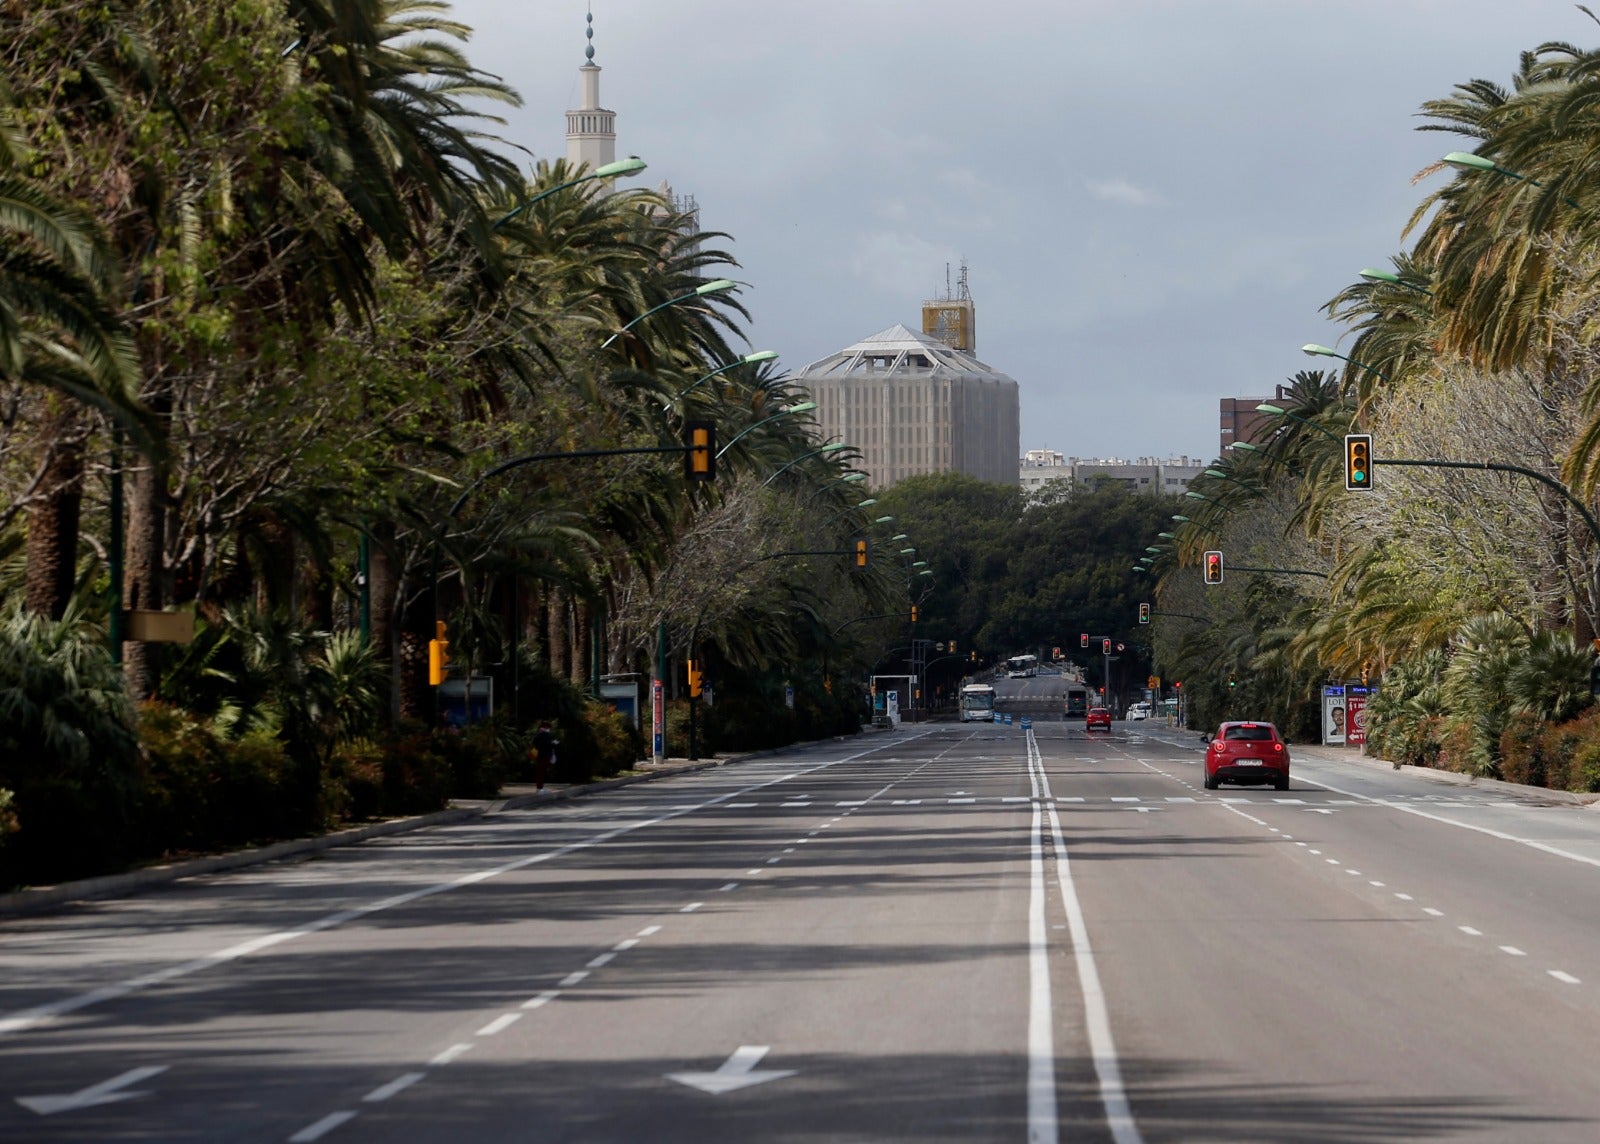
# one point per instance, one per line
(21, 902)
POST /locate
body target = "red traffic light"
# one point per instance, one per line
(1083, 640)
(1105, 647)
(1212, 567)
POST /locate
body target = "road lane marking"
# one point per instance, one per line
(625, 945)
(574, 978)
(1567, 978)
(321, 1128)
(398, 1084)
(601, 961)
(25, 1019)
(691, 907)
(1432, 913)
(651, 931)
(723, 889)
(541, 1000)
(1504, 837)
(451, 1054)
(1512, 950)
(1405, 897)
(499, 1024)
(1469, 931)
(1097, 1017)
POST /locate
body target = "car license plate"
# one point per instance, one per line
(1247, 762)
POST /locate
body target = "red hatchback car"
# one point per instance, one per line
(1097, 717)
(1247, 753)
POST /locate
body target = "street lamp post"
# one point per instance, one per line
(715, 287)
(629, 166)
(831, 447)
(1280, 411)
(787, 410)
(747, 359)
(1312, 349)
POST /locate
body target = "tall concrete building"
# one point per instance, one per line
(912, 404)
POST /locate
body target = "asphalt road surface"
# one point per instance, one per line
(941, 933)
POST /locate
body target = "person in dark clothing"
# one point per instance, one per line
(543, 752)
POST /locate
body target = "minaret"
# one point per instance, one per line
(591, 129)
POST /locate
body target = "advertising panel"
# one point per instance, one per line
(1334, 717)
(1356, 718)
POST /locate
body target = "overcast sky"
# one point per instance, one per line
(1154, 197)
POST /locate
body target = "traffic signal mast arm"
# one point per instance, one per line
(1497, 467)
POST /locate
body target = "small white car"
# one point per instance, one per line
(1139, 711)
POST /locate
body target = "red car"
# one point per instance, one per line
(1247, 753)
(1097, 717)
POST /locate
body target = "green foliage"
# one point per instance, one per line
(68, 753)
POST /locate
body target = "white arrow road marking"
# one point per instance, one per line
(735, 1073)
(103, 1093)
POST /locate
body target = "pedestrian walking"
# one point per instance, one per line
(543, 753)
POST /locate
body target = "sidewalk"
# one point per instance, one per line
(512, 796)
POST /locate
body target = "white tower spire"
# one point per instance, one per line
(591, 129)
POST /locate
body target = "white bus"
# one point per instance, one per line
(1022, 666)
(977, 703)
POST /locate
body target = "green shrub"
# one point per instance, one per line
(68, 752)
(617, 743)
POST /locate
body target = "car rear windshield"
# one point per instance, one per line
(1254, 733)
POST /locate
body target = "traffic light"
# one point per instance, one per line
(700, 450)
(694, 679)
(1055, 653)
(1357, 462)
(913, 613)
(438, 654)
(952, 647)
(1144, 613)
(860, 554)
(1213, 567)
(1232, 682)
(1105, 647)
(1083, 640)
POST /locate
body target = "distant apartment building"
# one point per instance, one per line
(1149, 475)
(1241, 422)
(911, 403)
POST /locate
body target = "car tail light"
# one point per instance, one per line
(1277, 746)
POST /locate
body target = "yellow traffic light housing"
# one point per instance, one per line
(1212, 565)
(1357, 462)
(438, 655)
(860, 554)
(913, 613)
(694, 679)
(700, 450)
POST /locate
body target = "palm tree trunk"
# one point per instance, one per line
(53, 521)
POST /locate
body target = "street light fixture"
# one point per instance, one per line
(1372, 274)
(748, 359)
(1312, 349)
(629, 166)
(787, 410)
(716, 287)
(1280, 411)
